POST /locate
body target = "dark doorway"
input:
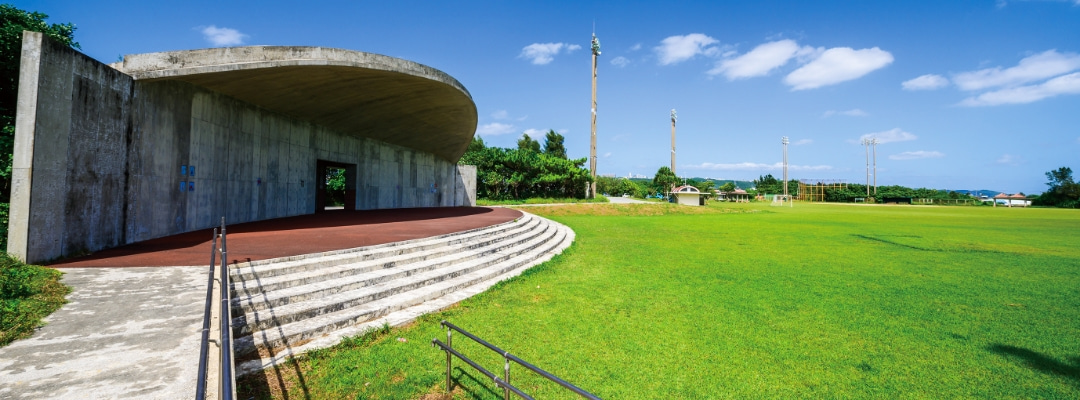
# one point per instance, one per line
(337, 186)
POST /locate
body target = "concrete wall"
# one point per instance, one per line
(99, 156)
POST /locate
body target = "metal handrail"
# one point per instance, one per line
(226, 378)
(204, 348)
(507, 357)
(228, 391)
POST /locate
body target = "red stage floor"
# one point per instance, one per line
(305, 234)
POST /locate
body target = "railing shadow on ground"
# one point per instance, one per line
(258, 385)
(1040, 362)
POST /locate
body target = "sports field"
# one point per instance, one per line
(752, 301)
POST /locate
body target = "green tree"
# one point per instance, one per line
(503, 174)
(477, 144)
(1063, 190)
(527, 143)
(769, 184)
(664, 180)
(727, 187)
(553, 144)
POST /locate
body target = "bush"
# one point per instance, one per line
(28, 293)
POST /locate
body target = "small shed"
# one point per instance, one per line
(687, 195)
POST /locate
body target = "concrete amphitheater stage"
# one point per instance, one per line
(292, 236)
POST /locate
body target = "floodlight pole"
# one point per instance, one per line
(866, 142)
(674, 118)
(874, 142)
(592, 146)
(784, 140)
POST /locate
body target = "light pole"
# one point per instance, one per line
(874, 142)
(866, 142)
(674, 118)
(784, 140)
(592, 147)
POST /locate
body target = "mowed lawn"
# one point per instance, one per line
(752, 301)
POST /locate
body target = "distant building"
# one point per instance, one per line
(1013, 200)
(687, 195)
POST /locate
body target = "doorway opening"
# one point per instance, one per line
(337, 186)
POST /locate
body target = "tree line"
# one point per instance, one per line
(528, 171)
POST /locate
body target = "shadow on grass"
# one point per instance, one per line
(258, 385)
(475, 388)
(1040, 362)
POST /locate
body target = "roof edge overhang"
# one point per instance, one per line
(360, 94)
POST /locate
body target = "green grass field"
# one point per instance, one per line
(753, 301)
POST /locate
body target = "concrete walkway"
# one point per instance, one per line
(126, 333)
(625, 200)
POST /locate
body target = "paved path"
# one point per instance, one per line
(125, 333)
(624, 200)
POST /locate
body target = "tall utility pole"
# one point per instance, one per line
(592, 147)
(674, 118)
(784, 140)
(866, 142)
(873, 143)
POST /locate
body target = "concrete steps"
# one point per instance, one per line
(290, 306)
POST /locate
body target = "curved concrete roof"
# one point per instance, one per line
(361, 94)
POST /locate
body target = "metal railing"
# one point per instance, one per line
(503, 382)
(226, 379)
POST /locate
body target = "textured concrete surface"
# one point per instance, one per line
(130, 333)
(102, 155)
(367, 95)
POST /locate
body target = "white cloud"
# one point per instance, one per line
(749, 166)
(838, 64)
(500, 114)
(915, 155)
(534, 133)
(620, 61)
(761, 60)
(1066, 84)
(926, 82)
(1009, 159)
(219, 37)
(637, 46)
(802, 142)
(855, 112)
(676, 49)
(1044, 65)
(608, 154)
(494, 128)
(889, 136)
(543, 53)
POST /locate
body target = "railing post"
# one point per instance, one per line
(506, 376)
(449, 344)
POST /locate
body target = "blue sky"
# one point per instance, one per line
(960, 94)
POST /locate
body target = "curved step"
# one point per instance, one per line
(283, 301)
(279, 332)
(248, 291)
(325, 297)
(399, 317)
(261, 269)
